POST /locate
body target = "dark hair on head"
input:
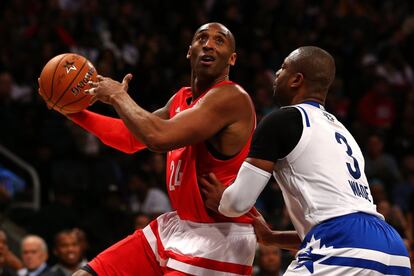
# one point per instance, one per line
(64, 232)
(316, 65)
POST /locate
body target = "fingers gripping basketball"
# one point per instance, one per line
(63, 81)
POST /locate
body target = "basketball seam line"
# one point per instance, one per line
(75, 101)
(53, 77)
(67, 88)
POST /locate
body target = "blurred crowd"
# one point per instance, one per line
(105, 194)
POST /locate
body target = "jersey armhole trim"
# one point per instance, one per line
(306, 116)
(304, 139)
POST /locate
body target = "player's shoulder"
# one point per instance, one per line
(229, 92)
(285, 113)
(231, 87)
(282, 118)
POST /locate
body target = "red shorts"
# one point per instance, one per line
(130, 256)
(171, 246)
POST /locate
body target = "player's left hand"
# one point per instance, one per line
(106, 88)
(48, 103)
(212, 190)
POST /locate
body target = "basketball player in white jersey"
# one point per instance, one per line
(320, 169)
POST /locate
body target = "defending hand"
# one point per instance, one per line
(261, 228)
(212, 190)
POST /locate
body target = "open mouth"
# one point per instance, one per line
(207, 59)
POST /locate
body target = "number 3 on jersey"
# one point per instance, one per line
(175, 175)
(357, 172)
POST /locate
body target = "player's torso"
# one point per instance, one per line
(323, 177)
(186, 163)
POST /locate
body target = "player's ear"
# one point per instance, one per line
(232, 59)
(189, 52)
(297, 80)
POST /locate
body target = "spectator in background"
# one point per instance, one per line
(9, 263)
(68, 252)
(381, 165)
(393, 216)
(403, 193)
(396, 70)
(377, 108)
(269, 260)
(108, 38)
(377, 189)
(84, 244)
(143, 197)
(34, 256)
(404, 136)
(157, 170)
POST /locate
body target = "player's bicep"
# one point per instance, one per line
(211, 114)
(195, 125)
(264, 165)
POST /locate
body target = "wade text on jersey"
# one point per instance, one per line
(359, 189)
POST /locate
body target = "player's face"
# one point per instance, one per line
(280, 84)
(211, 51)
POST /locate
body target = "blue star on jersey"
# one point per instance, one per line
(306, 257)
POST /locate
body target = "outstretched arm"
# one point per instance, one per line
(223, 106)
(111, 131)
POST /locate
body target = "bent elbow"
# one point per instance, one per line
(233, 211)
(242, 209)
(233, 208)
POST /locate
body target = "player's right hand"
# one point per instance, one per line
(261, 228)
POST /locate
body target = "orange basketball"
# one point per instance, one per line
(63, 81)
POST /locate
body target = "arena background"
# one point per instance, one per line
(86, 185)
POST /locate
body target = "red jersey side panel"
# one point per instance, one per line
(185, 164)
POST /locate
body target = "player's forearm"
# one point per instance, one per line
(110, 131)
(144, 125)
(284, 239)
(241, 196)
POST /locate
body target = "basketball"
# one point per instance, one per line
(63, 81)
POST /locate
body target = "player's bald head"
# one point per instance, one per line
(222, 29)
(316, 65)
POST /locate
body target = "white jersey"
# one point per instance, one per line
(324, 178)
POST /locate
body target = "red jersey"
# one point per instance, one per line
(186, 163)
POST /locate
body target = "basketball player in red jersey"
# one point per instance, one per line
(203, 128)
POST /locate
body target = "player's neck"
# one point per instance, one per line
(307, 97)
(200, 85)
